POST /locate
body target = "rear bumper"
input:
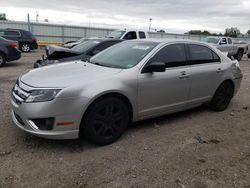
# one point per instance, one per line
(13, 55)
(34, 45)
(237, 83)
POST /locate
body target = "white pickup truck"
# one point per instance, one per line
(128, 34)
(225, 44)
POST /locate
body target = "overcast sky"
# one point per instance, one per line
(171, 15)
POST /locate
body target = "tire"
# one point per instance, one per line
(2, 60)
(222, 96)
(239, 55)
(105, 121)
(248, 55)
(25, 47)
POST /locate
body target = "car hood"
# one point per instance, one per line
(67, 74)
(57, 52)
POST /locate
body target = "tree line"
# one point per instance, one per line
(229, 32)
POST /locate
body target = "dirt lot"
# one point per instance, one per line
(162, 152)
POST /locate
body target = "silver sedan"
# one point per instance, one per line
(128, 82)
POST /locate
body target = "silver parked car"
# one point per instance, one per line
(128, 82)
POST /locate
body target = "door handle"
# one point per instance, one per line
(219, 70)
(183, 75)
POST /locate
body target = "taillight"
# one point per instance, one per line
(34, 39)
(13, 44)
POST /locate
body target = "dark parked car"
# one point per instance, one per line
(83, 51)
(8, 51)
(25, 39)
(71, 44)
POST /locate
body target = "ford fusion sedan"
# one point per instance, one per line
(131, 81)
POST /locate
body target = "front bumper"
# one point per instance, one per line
(57, 135)
(62, 110)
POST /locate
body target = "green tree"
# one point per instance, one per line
(232, 32)
(3, 16)
(198, 32)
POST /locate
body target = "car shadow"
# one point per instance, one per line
(12, 64)
(80, 145)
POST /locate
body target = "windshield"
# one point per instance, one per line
(116, 34)
(85, 46)
(124, 55)
(212, 40)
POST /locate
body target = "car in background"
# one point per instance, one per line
(26, 39)
(128, 34)
(8, 51)
(226, 44)
(128, 82)
(83, 51)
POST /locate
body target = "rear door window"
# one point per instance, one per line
(229, 41)
(200, 54)
(11, 33)
(173, 55)
(142, 35)
(1, 33)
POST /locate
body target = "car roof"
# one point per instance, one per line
(163, 41)
(130, 29)
(20, 30)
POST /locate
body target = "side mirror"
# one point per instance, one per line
(154, 67)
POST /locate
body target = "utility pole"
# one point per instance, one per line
(149, 28)
(37, 15)
(28, 16)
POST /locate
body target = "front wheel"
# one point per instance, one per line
(25, 47)
(2, 60)
(105, 120)
(222, 96)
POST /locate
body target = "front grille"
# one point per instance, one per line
(19, 94)
(19, 119)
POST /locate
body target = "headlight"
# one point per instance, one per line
(42, 95)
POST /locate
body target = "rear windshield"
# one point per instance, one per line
(212, 40)
(85, 46)
(116, 34)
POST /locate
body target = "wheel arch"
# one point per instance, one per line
(116, 94)
(4, 55)
(229, 81)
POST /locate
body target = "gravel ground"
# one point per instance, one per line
(198, 148)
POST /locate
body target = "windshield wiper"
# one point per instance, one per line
(107, 65)
(100, 64)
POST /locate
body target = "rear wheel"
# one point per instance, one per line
(105, 120)
(239, 55)
(222, 96)
(25, 47)
(2, 60)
